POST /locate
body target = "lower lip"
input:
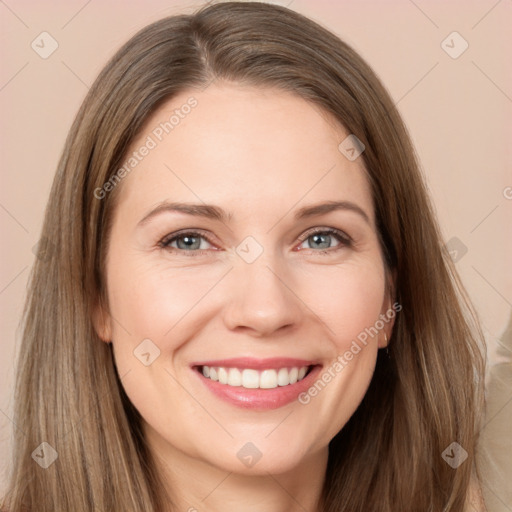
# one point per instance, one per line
(260, 399)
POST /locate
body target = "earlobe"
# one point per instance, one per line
(389, 310)
(102, 324)
(383, 340)
(388, 317)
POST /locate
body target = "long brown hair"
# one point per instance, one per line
(425, 395)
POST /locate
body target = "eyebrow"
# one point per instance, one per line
(330, 206)
(199, 210)
(216, 213)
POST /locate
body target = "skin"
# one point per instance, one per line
(260, 154)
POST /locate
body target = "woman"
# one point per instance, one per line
(188, 345)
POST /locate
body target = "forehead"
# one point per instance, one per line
(247, 147)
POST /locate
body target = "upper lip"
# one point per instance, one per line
(257, 364)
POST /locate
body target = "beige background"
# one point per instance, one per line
(458, 112)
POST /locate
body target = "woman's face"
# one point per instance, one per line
(225, 259)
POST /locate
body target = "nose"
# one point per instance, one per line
(261, 300)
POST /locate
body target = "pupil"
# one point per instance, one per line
(318, 239)
(189, 242)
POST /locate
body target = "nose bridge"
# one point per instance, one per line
(260, 298)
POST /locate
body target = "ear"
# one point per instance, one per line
(389, 310)
(102, 322)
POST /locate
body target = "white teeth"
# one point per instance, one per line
(283, 377)
(223, 375)
(235, 377)
(253, 379)
(250, 379)
(268, 379)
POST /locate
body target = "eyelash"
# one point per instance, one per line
(343, 239)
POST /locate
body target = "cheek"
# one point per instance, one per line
(350, 307)
(158, 303)
(348, 299)
(164, 306)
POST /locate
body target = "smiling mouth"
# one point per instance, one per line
(250, 378)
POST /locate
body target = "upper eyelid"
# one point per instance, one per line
(333, 231)
(187, 231)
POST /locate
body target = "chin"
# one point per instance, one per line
(260, 457)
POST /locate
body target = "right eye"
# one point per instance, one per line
(185, 242)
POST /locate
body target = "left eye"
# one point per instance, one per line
(322, 239)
